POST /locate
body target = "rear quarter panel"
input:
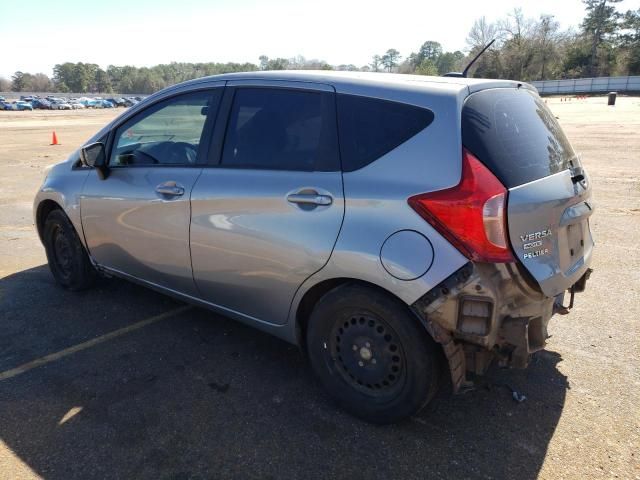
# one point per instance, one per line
(376, 198)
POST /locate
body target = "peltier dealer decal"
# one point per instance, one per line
(534, 240)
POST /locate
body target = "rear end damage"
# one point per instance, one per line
(520, 214)
(486, 312)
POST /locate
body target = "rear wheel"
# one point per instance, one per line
(68, 260)
(371, 354)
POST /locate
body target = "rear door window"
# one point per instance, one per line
(370, 127)
(515, 135)
(281, 129)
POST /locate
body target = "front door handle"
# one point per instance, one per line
(170, 189)
(312, 198)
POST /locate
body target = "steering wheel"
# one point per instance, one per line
(178, 151)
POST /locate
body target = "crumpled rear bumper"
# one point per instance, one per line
(484, 312)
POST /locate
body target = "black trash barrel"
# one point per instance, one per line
(612, 98)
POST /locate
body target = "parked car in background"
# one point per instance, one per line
(4, 105)
(21, 105)
(87, 102)
(60, 105)
(76, 104)
(117, 102)
(130, 102)
(1, 98)
(102, 104)
(41, 104)
(28, 98)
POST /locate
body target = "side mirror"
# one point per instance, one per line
(93, 155)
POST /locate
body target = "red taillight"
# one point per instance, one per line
(471, 215)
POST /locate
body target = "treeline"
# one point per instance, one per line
(606, 43)
(90, 78)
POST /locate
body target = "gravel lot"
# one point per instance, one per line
(192, 395)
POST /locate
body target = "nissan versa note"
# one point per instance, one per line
(400, 229)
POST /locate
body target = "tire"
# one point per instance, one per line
(371, 354)
(68, 260)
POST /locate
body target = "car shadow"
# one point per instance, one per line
(197, 396)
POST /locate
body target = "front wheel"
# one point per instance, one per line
(68, 260)
(371, 354)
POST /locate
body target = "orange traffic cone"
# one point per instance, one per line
(54, 141)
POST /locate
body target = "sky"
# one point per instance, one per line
(37, 34)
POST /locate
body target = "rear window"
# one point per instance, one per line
(515, 135)
(369, 128)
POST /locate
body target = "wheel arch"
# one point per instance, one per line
(45, 207)
(313, 295)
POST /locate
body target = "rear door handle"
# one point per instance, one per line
(313, 198)
(170, 189)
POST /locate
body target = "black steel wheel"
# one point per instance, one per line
(368, 354)
(371, 354)
(68, 260)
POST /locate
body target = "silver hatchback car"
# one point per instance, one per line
(401, 229)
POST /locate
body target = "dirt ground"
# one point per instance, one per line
(195, 395)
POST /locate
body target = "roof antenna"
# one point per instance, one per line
(464, 72)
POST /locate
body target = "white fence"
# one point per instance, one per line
(588, 85)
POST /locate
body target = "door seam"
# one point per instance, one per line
(193, 277)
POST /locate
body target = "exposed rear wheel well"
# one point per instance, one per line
(316, 292)
(44, 209)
